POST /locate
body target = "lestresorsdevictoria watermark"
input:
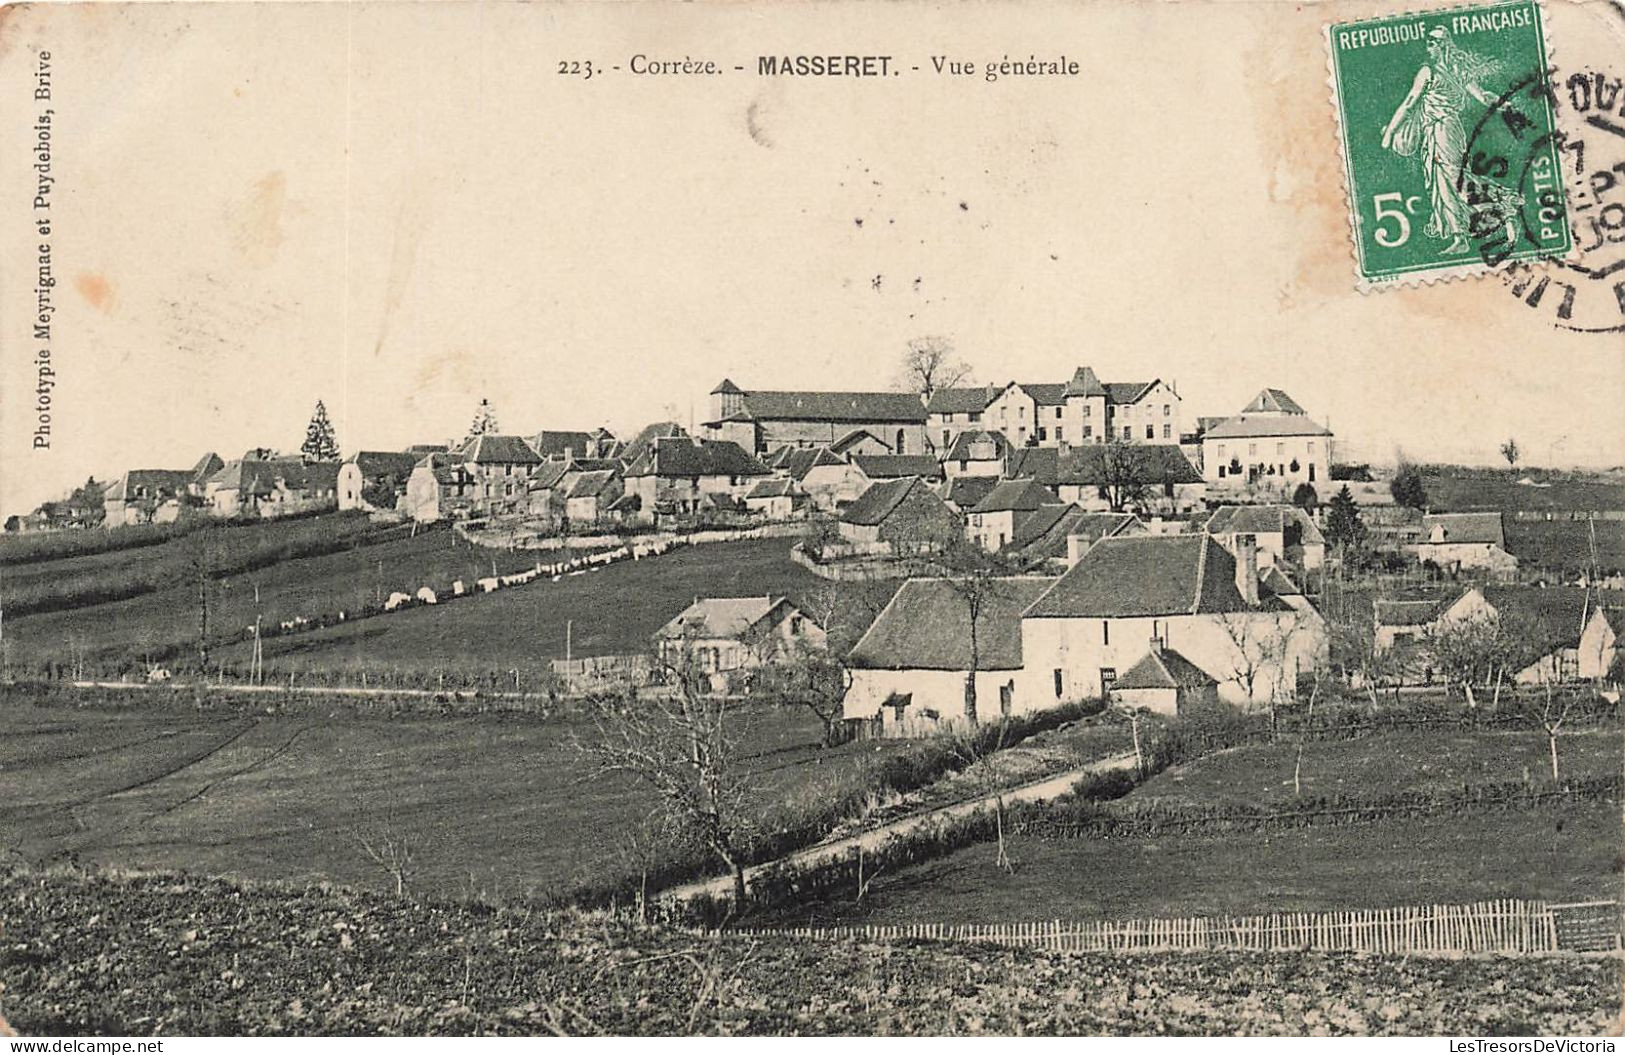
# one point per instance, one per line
(1533, 1046)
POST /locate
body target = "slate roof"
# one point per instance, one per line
(1163, 668)
(1273, 401)
(685, 458)
(1263, 520)
(965, 491)
(960, 450)
(1096, 526)
(1034, 463)
(549, 476)
(1159, 463)
(148, 483)
(873, 506)
(558, 444)
(206, 467)
(1412, 611)
(260, 477)
(1085, 383)
(727, 388)
(448, 467)
(592, 484)
(1462, 528)
(1260, 426)
(799, 461)
(967, 400)
(1042, 521)
(1147, 575)
(638, 445)
(494, 449)
(1557, 611)
(927, 627)
(854, 407)
(776, 487)
(729, 618)
(1021, 496)
(892, 466)
(1279, 582)
(853, 438)
(1044, 393)
(1126, 391)
(375, 464)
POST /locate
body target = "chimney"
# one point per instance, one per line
(1156, 644)
(1246, 550)
(1076, 547)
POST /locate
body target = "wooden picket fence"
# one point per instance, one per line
(1502, 926)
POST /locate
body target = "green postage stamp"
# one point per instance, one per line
(1450, 146)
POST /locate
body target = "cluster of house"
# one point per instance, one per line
(778, 454)
(1567, 633)
(1156, 621)
(261, 483)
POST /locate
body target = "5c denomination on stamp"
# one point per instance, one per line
(1449, 146)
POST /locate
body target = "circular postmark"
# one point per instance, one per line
(1516, 194)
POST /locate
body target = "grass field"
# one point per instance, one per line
(1567, 856)
(1456, 494)
(1389, 762)
(611, 610)
(180, 955)
(493, 805)
(1568, 853)
(1564, 546)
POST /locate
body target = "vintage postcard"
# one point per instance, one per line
(840, 519)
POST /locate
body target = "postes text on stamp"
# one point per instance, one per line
(1449, 141)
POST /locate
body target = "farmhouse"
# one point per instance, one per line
(760, 421)
(374, 479)
(991, 523)
(1554, 630)
(1184, 592)
(566, 446)
(911, 671)
(501, 467)
(1272, 446)
(1598, 654)
(951, 411)
(903, 516)
(1466, 541)
(719, 635)
(591, 494)
(145, 496)
(829, 481)
(1153, 477)
(963, 492)
(673, 476)
(441, 487)
(272, 488)
(877, 467)
(776, 498)
(859, 441)
(1284, 533)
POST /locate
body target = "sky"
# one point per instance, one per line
(400, 209)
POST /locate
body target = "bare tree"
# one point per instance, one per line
(1482, 651)
(930, 364)
(975, 747)
(682, 744)
(1125, 477)
(1550, 707)
(1510, 451)
(811, 676)
(972, 573)
(388, 844)
(1260, 643)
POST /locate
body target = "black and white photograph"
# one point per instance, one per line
(646, 519)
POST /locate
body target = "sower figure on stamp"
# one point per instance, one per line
(1428, 126)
